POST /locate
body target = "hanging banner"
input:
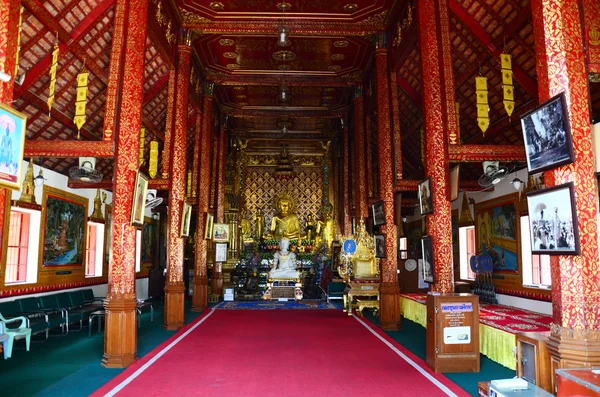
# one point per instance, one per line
(483, 108)
(507, 84)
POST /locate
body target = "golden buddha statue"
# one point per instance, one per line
(260, 224)
(286, 224)
(325, 228)
(245, 227)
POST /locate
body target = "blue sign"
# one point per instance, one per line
(349, 246)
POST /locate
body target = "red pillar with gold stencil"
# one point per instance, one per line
(389, 312)
(10, 12)
(217, 274)
(174, 289)
(345, 182)
(120, 338)
(360, 165)
(438, 129)
(575, 332)
(200, 295)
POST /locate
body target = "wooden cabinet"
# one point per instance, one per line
(452, 343)
(533, 359)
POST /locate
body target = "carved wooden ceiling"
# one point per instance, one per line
(236, 45)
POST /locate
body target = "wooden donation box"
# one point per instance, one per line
(533, 359)
(452, 343)
(583, 382)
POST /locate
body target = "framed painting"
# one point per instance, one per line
(148, 241)
(496, 232)
(208, 226)
(221, 232)
(379, 246)
(108, 234)
(64, 228)
(553, 221)
(378, 213)
(139, 199)
(12, 142)
(427, 249)
(186, 219)
(425, 198)
(547, 135)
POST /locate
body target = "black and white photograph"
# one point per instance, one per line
(553, 221)
(425, 198)
(378, 213)
(547, 135)
(379, 246)
(427, 248)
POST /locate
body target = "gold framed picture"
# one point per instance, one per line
(221, 232)
(208, 226)
(139, 199)
(12, 142)
(186, 218)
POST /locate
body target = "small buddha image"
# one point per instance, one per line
(245, 227)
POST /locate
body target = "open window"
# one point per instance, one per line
(466, 241)
(95, 248)
(23, 246)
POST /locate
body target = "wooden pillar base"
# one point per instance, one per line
(389, 307)
(573, 349)
(120, 335)
(174, 305)
(200, 294)
(217, 280)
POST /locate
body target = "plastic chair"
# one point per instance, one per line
(15, 333)
(3, 339)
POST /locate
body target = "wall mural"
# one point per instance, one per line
(261, 188)
(64, 227)
(496, 223)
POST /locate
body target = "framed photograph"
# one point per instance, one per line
(547, 135)
(186, 218)
(208, 226)
(553, 221)
(12, 142)
(64, 228)
(221, 232)
(425, 198)
(378, 213)
(379, 246)
(427, 248)
(454, 173)
(139, 199)
(220, 252)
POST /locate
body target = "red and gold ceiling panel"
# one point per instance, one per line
(350, 10)
(261, 55)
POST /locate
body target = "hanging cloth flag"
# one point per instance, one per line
(142, 144)
(507, 84)
(81, 101)
(483, 108)
(18, 42)
(457, 122)
(188, 190)
(53, 76)
(153, 166)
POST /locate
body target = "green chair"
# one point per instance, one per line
(14, 333)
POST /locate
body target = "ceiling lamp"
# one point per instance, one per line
(284, 169)
(283, 31)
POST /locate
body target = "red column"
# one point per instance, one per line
(389, 313)
(575, 332)
(9, 20)
(345, 199)
(166, 154)
(360, 177)
(174, 289)
(196, 160)
(436, 142)
(217, 274)
(200, 296)
(397, 136)
(120, 339)
(369, 156)
(591, 13)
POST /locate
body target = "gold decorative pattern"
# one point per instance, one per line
(230, 55)
(340, 44)
(226, 42)
(166, 154)
(193, 18)
(284, 6)
(359, 168)
(507, 84)
(153, 163)
(483, 107)
(216, 5)
(81, 99)
(351, 7)
(238, 88)
(233, 66)
(52, 85)
(337, 57)
(284, 55)
(334, 68)
(396, 135)
(560, 67)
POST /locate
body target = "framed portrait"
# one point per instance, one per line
(425, 198)
(547, 135)
(553, 221)
(186, 219)
(379, 246)
(221, 232)
(139, 199)
(64, 228)
(454, 174)
(208, 226)
(12, 142)
(220, 252)
(378, 213)
(427, 249)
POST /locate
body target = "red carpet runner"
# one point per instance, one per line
(279, 353)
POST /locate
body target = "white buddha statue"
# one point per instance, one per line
(284, 262)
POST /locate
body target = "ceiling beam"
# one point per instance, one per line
(68, 149)
(411, 36)
(296, 114)
(529, 84)
(407, 185)
(477, 153)
(275, 80)
(68, 41)
(414, 96)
